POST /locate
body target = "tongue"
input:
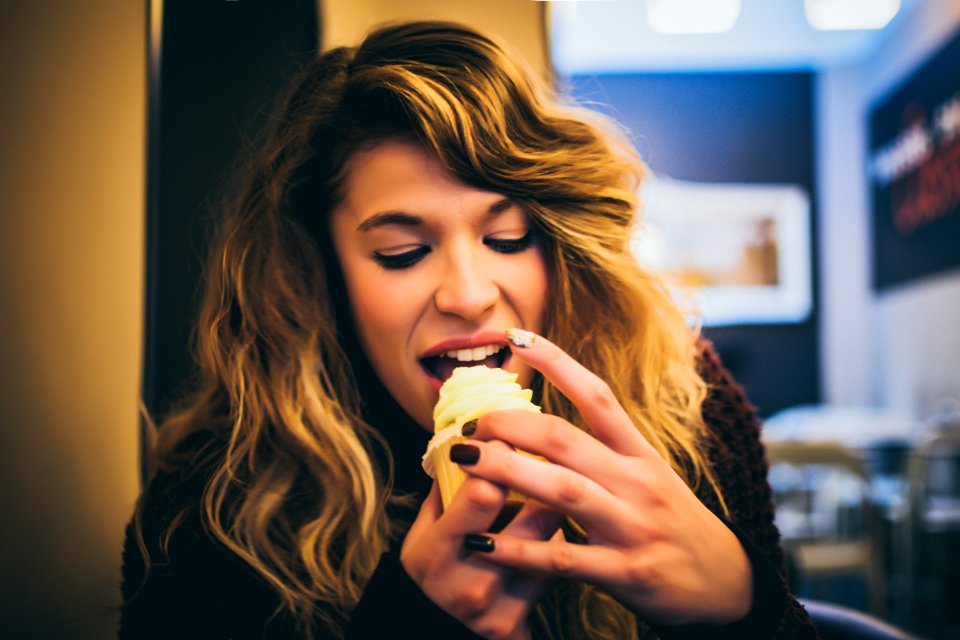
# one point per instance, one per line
(445, 366)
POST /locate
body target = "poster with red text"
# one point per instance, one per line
(914, 170)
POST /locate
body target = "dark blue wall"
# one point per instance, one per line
(730, 127)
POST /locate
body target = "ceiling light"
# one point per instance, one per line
(836, 15)
(692, 16)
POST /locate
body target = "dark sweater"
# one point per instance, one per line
(199, 589)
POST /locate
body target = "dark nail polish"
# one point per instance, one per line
(469, 428)
(464, 454)
(477, 542)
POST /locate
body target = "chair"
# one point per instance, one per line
(933, 563)
(830, 528)
(835, 622)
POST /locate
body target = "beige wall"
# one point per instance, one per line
(519, 22)
(71, 256)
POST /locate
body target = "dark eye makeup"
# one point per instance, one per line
(510, 245)
(401, 260)
(406, 259)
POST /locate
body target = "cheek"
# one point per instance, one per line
(534, 292)
(374, 305)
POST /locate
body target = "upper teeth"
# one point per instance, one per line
(473, 355)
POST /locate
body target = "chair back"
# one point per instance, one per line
(831, 531)
(933, 533)
(835, 622)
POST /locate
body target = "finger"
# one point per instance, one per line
(558, 441)
(430, 510)
(474, 508)
(560, 488)
(519, 596)
(592, 397)
(589, 563)
(535, 521)
(510, 606)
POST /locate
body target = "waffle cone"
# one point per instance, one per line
(449, 474)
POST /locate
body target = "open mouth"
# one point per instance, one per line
(441, 366)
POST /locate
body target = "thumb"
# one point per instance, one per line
(430, 511)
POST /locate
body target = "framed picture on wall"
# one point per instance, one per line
(730, 253)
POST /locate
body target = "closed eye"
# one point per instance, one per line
(402, 260)
(510, 245)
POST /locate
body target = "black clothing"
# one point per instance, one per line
(206, 591)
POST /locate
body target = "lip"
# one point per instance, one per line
(451, 344)
(478, 340)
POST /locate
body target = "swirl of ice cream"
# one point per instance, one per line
(470, 392)
(475, 391)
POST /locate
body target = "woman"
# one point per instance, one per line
(420, 203)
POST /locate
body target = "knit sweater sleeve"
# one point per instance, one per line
(740, 464)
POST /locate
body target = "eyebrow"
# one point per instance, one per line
(404, 219)
(390, 217)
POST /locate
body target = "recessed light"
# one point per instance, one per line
(692, 16)
(844, 15)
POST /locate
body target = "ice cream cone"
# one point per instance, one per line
(449, 475)
(469, 393)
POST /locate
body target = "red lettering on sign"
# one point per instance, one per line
(929, 193)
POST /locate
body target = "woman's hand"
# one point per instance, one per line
(493, 601)
(651, 543)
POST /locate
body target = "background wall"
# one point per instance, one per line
(730, 128)
(519, 22)
(71, 253)
(898, 349)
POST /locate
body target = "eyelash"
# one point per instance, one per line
(401, 260)
(409, 258)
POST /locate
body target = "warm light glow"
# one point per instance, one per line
(692, 16)
(837, 15)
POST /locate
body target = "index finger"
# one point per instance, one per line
(593, 398)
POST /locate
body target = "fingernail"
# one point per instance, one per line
(477, 542)
(520, 338)
(464, 454)
(469, 428)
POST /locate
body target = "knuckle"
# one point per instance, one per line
(640, 481)
(571, 490)
(499, 629)
(495, 423)
(556, 436)
(563, 560)
(602, 396)
(470, 603)
(640, 571)
(482, 496)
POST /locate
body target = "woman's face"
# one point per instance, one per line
(435, 270)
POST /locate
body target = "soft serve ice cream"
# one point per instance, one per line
(470, 392)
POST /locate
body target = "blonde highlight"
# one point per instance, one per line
(293, 487)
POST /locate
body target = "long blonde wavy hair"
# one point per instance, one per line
(295, 488)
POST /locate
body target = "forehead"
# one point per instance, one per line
(397, 175)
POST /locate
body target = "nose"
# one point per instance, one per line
(466, 288)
